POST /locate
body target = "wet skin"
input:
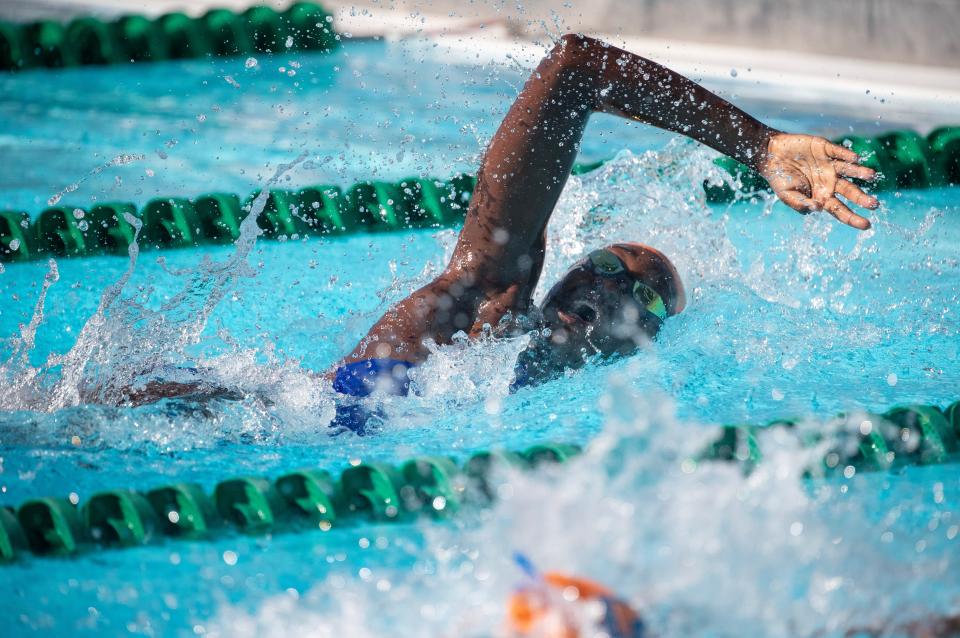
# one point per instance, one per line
(499, 254)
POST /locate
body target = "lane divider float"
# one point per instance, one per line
(903, 159)
(433, 486)
(304, 26)
(214, 218)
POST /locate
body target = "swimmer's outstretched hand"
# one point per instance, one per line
(807, 173)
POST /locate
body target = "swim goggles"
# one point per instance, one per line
(605, 264)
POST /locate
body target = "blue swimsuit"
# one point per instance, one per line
(359, 379)
(390, 376)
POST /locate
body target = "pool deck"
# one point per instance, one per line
(926, 96)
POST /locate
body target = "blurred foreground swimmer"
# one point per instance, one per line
(553, 605)
(616, 298)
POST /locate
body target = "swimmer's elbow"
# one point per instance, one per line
(576, 62)
(574, 50)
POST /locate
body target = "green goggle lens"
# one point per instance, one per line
(649, 299)
(606, 262)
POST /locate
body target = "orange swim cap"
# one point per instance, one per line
(564, 606)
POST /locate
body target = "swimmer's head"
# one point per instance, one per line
(609, 303)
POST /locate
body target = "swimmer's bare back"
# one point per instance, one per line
(499, 254)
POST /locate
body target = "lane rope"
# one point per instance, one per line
(431, 486)
(304, 26)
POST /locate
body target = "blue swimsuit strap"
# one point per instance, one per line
(361, 378)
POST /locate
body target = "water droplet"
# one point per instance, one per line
(250, 63)
(733, 73)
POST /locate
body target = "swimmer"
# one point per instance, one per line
(556, 605)
(614, 299)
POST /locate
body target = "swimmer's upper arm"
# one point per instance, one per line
(523, 171)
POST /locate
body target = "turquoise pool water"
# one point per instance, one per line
(787, 316)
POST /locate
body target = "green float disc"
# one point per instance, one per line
(171, 222)
(92, 42)
(119, 517)
(63, 230)
(945, 148)
(12, 539)
(109, 227)
(184, 510)
(138, 39)
(322, 208)
(250, 503)
(373, 489)
(435, 485)
(13, 54)
(51, 525)
(311, 494)
(17, 242)
(219, 216)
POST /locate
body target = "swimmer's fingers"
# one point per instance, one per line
(854, 170)
(844, 215)
(798, 201)
(841, 153)
(853, 193)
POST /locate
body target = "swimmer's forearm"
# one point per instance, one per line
(640, 89)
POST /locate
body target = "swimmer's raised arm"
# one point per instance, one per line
(529, 159)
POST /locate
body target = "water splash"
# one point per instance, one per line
(120, 160)
(16, 370)
(700, 549)
(124, 338)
